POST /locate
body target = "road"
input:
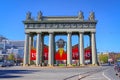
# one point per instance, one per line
(56, 73)
(110, 73)
(106, 74)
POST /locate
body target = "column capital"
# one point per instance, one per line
(51, 32)
(81, 32)
(69, 32)
(38, 32)
(93, 32)
(31, 34)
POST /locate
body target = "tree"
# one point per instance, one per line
(118, 56)
(11, 57)
(103, 58)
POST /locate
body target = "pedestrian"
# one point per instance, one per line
(115, 67)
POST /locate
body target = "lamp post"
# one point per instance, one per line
(17, 57)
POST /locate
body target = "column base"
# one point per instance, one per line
(50, 65)
(37, 65)
(70, 65)
(94, 64)
(25, 65)
(82, 64)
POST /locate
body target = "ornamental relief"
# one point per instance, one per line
(85, 25)
(55, 26)
(73, 25)
(66, 25)
(79, 25)
(91, 25)
(47, 26)
(60, 26)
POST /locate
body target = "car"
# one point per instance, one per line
(2, 64)
(117, 68)
(10, 63)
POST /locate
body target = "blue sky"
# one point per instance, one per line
(107, 12)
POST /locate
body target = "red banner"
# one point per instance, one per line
(60, 55)
(75, 52)
(87, 54)
(33, 54)
(45, 52)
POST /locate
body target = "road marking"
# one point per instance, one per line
(106, 76)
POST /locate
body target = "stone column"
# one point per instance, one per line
(69, 49)
(26, 50)
(81, 48)
(93, 47)
(30, 45)
(90, 48)
(54, 49)
(38, 48)
(51, 50)
(42, 48)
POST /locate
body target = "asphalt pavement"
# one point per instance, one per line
(58, 73)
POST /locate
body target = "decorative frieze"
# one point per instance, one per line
(60, 26)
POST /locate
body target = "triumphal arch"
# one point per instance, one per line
(53, 25)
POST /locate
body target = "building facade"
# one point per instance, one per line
(55, 25)
(11, 47)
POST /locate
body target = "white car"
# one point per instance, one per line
(2, 64)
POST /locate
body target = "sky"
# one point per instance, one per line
(107, 12)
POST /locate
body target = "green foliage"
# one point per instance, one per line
(11, 57)
(32, 62)
(61, 64)
(118, 56)
(103, 58)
